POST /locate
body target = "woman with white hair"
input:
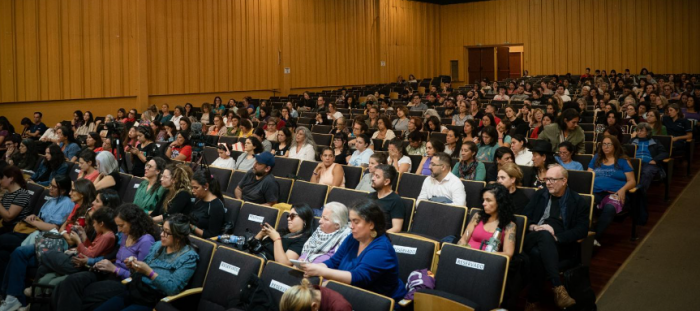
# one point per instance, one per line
(303, 146)
(331, 232)
(108, 167)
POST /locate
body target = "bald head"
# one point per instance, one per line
(557, 180)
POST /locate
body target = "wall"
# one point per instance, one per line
(561, 36)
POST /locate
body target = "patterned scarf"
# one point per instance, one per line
(321, 243)
(467, 171)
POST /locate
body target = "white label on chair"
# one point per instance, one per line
(256, 218)
(279, 286)
(405, 250)
(30, 192)
(229, 268)
(136, 186)
(77, 170)
(470, 264)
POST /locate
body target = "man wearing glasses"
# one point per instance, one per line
(557, 217)
(442, 186)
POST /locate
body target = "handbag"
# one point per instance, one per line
(24, 227)
(49, 241)
(142, 294)
(612, 200)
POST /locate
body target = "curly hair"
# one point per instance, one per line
(139, 223)
(505, 205)
(181, 174)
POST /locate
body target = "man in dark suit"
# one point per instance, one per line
(557, 218)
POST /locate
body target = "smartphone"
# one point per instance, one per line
(297, 264)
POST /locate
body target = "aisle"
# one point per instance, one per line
(662, 273)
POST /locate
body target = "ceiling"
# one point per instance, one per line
(443, 2)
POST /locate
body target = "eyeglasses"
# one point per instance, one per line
(435, 164)
(552, 180)
(148, 166)
(165, 233)
(53, 186)
(607, 144)
(292, 216)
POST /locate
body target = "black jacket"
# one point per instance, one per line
(576, 224)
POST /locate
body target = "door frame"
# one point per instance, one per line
(495, 56)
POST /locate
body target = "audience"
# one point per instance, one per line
(144, 152)
(432, 147)
(488, 144)
(86, 166)
(503, 155)
(303, 146)
(341, 151)
(313, 297)
(468, 167)
(391, 204)
(402, 163)
(53, 164)
(207, 216)
(416, 145)
(511, 177)
(651, 153)
(518, 145)
(108, 167)
(246, 160)
(224, 160)
(566, 152)
(331, 232)
(259, 185)
(567, 129)
(176, 179)
(287, 244)
(180, 149)
(150, 193)
(365, 183)
(28, 155)
(284, 141)
(37, 128)
(542, 158)
(362, 153)
(497, 215)
(67, 142)
(442, 186)
(678, 127)
(328, 172)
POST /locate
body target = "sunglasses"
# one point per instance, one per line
(292, 216)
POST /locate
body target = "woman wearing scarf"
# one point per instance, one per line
(332, 230)
(467, 167)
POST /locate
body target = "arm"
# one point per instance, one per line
(11, 213)
(317, 174)
(98, 246)
(43, 226)
(464, 240)
(404, 167)
(631, 183)
(105, 182)
(459, 194)
(239, 193)
(480, 172)
(396, 225)
(338, 175)
(423, 193)
(509, 241)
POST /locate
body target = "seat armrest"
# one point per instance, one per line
(184, 293)
(126, 281)
(633, 190)
(587, 249)
(405, 302)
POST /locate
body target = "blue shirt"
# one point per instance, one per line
(56, 210)
(486, 153)
(643, 152)
(358, 158)
(71, 150)
(174, 270)
(376, 269)
(41, 127)
(572, 166)
(609, 178)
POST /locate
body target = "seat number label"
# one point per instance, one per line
(229, 268)
(256, 218)
(279, 286)
(470, 264)
(405, 250)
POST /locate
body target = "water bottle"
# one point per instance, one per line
(493, 244)
(232, 239)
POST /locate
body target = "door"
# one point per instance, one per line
(515, 65)
(488, 66)
(474, 65)
(503, 54)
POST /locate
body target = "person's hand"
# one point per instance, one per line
(547, 228)
(134, 151)
(652, 162)
(30, 218)
(80, 231)
(79, 261)
(139, 266)
(318, 168)
(312, 269)
(74, 237)
(271, 232)
(173, 144)
(621, 196)
(634, 134)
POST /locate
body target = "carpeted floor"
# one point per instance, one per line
(663, 273)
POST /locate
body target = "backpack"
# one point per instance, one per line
(254, 297)
(48, 241)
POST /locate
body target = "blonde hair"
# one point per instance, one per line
(513, 171)
(181, 176)
(298, 298)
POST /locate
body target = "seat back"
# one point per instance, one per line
(321, 129)
(473, 191)
(528, 191)
(306, 169)
(584, 159)
(229, 140)
(415, 162)
(414, 253)
(438, 220)
(233, 208)
(285, 187)
(581, 181)
(73, 174)
(305, 192)
(35, 192)
(222, 175)
(360, 299)
(345, 195)
(278, 278)
(210, 154)
(233, 268)
(130, 192)
(125, 179)
(410, 185)
(353, 174)
(252, 216)
(322, 139)
(284, 167)
(409, 208)
(637, 168)
(44, 195)
(236, 177)
(473, 274)
(205, 250)
(528, 175)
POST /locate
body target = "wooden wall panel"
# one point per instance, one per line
(563, 36)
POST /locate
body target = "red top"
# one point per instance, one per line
(332, 300)
(480, 234)
(186, 150)
(101, 246)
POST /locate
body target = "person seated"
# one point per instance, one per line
(308, 297)
(432, 147)
(303, 146)
(284, 140)
(28, 155)
(523, 156)
(383, 131)
(468, 167)
(67, 142)
(108, 167)
(328, 172)
(150, 193)
(331, 232)
(50, 134)
(557, 217)
(178, 199)
(165, 271)
(365, 183)
(86, 164)
(224, 160)
(11, 150)
(497, 215)
(503, 128)
(511, 177)
(614, 176)
(542, 158)
(488, 144)
(390, 202)
(503, 155)
(288, 243)
(341, 151)
(401, 162)
(566, 128)
(146, 150)
(678, 127)
(366, 258)
(53, 164)
(442, 186)
(566, 152)
(258, 185)
(651, 153)
(180, 149)
(259, 133)
(246, 160)
(362, 153)
(209, 211)
(416, 145)
(38, 128)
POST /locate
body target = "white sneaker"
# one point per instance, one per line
(28, 291)
(595, 243)
(10, 305)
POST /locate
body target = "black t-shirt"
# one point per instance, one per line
(265, 190)
(20, 198)
(391, 205)
(288, 244)
(680, 127)
(182, 203)
(520, 200)
(209, 216)
(117, 181)
(139, 167)
(278, 151)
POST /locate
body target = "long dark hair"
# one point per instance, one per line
(179, 229)
(87, 190)
(16, 175)
(307, 215)
(30, 157)
(57, 157)
(204, 177)
(68, 133)
(110, 198)
(160, 167)
(106, 217)
(619, 152)
(139, 222)
(506, 207)
(369, 211)
(64, 184)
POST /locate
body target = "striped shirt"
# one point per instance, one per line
(20, 198)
